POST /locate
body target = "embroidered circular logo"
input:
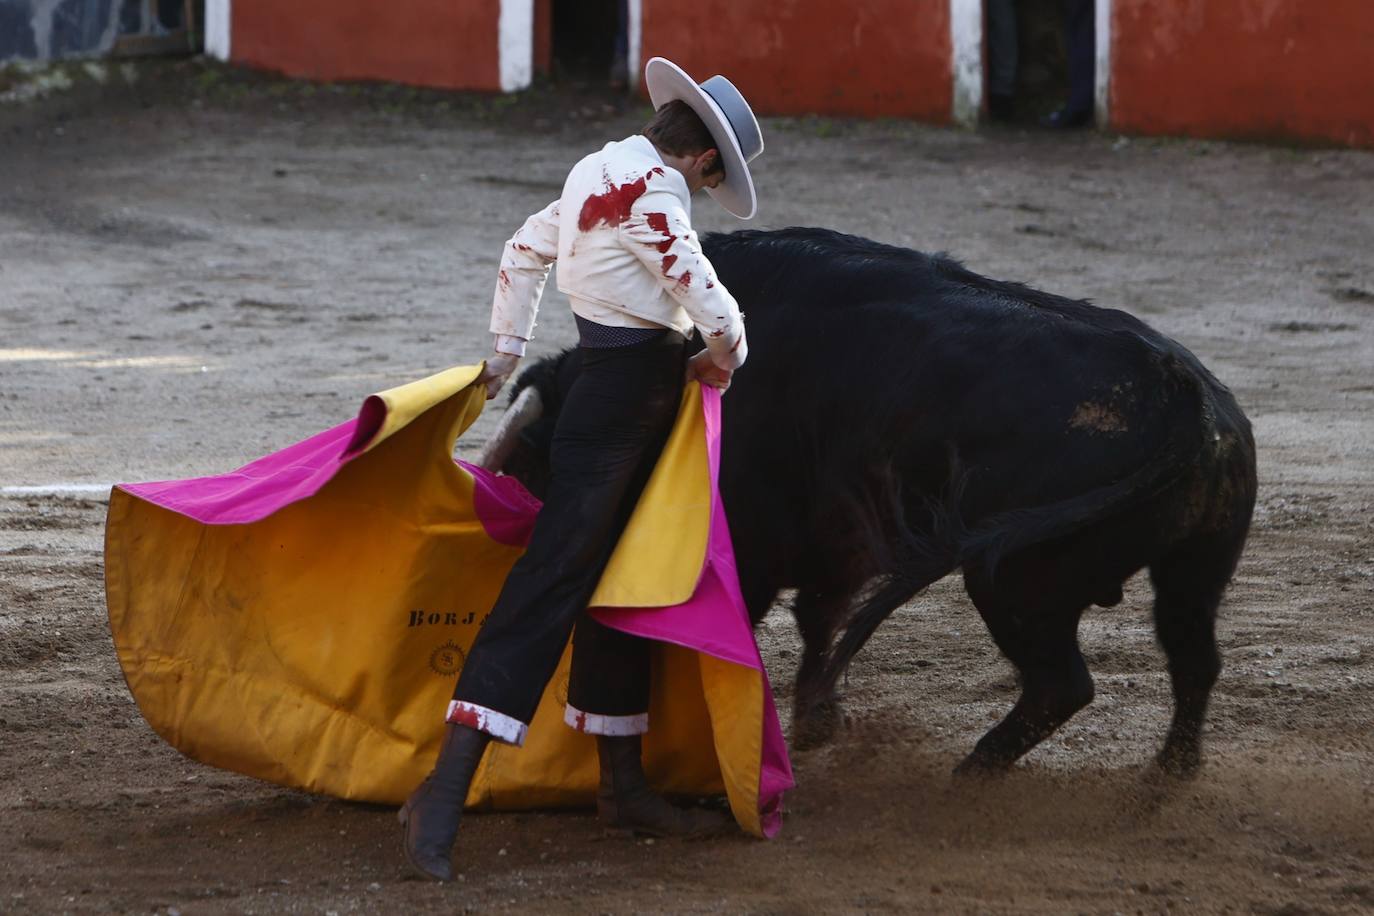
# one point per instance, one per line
(561, 691)
(447, 659)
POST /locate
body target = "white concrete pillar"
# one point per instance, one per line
(966, 41)
(515, 48)
(634, 56)
(218, 22)
(1102, 44)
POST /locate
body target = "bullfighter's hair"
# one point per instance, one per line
(679, 131)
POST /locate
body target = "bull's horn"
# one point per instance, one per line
(528, 407)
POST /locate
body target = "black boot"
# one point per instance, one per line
(429, 818)
(625, 802)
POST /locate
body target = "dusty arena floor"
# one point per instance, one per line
(200, 267)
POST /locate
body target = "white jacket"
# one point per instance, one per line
(627, 256)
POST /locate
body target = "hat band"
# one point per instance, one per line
(748, 150)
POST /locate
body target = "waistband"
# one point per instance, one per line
(596, 336)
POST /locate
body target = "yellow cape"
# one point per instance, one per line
(317, 645)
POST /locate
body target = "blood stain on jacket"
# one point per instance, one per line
(612, 207)
(659, 223)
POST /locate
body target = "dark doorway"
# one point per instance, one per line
(588, 37)
(1030, 42)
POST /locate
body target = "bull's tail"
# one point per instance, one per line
(951, 545)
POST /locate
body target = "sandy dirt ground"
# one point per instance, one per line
(199, 267)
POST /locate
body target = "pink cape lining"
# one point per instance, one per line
(713, 621)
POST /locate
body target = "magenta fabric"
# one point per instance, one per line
(714, 620)
(257, 489)
(297, 472)
(506, 508)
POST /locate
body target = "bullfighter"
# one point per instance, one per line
(638, 282)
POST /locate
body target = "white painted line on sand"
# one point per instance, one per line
(51, 490)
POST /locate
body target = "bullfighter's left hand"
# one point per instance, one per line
(499, 367)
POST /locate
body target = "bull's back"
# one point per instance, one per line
(866, 358)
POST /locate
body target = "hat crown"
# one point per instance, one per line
(737, 114)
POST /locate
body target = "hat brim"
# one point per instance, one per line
(667, 81)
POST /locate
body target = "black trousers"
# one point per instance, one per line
(612, 427)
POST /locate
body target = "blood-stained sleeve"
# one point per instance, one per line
(520, 282)
(661, 235)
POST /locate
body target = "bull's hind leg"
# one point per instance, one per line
(1041, 640)
(1189, 583)
(816, 713)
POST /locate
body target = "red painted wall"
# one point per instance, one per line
(450, 44)
(840, 57)
(543, 37)
(1264, 69)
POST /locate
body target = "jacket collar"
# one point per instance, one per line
(644, 146)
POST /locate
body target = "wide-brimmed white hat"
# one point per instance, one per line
(729, 119)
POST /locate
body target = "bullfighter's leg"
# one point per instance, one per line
(816, 712)
(1189, 584)
(608, 696)
(1043, 645)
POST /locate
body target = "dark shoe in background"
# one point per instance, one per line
(619, 76)
(1067, 119)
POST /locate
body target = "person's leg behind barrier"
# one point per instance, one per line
(1002, 46)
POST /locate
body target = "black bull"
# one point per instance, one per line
(901, 417)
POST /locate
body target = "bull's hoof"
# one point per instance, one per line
(816, 726)
(1179, 762)
(975, 766)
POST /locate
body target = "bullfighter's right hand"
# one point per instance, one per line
(498, 369)
(700, 368)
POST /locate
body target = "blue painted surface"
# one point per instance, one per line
(16, 32)
(81, 27)
(43, 30)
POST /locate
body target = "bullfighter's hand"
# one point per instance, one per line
(498, 369)
(701, 369)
